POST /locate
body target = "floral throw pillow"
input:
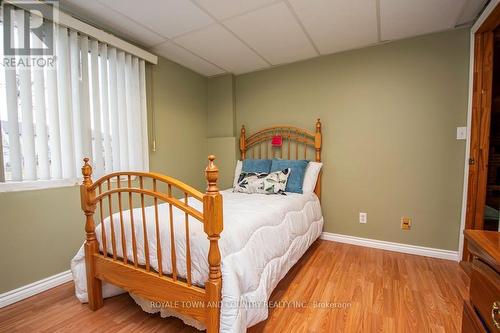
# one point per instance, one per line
(265, 183)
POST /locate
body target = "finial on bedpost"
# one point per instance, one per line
(212, 174)
(86, 172)
(87, 195)
(213, 225)
(242, 142)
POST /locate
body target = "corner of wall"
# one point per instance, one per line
(221, 126)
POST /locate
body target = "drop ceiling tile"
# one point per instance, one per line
(95, 13)
(406, 18)
(338, 25)
(223, 9)
(220, 47)
(168, 18)
(274, 33)
(176, 53)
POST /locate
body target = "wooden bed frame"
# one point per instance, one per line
(200, 303)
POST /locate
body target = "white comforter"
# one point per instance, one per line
(263, 237)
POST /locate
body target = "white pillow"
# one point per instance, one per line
(311, 176)
(237, 172)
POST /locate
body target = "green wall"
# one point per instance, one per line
(389, 117)
(43, 229)
(220, 105)
(221, 127)
(180, 106)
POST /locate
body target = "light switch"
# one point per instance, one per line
(461, 133)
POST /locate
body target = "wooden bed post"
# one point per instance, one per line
(242, 142)
(317, 147)
(213, 225)
(94, 285)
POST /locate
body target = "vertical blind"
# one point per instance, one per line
(92, 103)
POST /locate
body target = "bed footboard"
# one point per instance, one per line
(200, 303)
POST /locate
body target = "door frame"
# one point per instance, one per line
(478, 121)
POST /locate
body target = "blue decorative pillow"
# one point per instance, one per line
(296, 178)
(257, 166)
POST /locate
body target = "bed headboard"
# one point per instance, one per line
(283, 141)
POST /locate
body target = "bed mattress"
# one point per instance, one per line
(263, 237)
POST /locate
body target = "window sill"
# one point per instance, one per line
(36, 185)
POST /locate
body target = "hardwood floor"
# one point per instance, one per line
(365, 290)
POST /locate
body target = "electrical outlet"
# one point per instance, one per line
(461, 133)
(363, 217)
(405, 223)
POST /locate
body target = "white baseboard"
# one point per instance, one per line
(34, 288)
(390, 246)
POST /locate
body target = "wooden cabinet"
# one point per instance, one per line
(481, 311)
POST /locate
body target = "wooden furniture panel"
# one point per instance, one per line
(485, 291)
(470, 321)
(149, 286)
(481, 314)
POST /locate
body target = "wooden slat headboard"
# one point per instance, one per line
(297, 143)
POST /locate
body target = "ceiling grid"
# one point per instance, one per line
(214, 37)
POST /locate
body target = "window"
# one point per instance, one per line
(90, 103)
